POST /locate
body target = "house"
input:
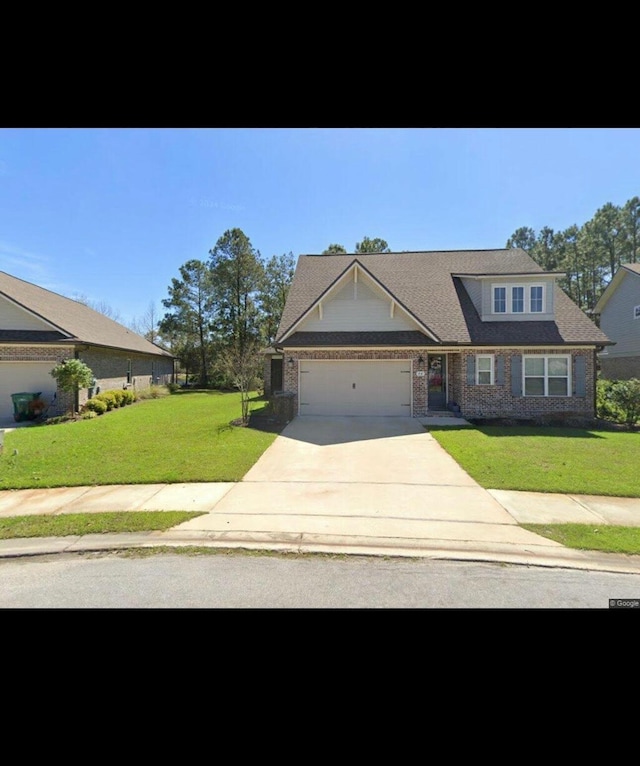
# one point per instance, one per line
(619, 310)
(39, 328)
(486, 333)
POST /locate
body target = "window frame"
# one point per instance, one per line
(514, 299)
(491, 370)
(527, 301)
(545, 376)
(493, 299)
(542, 299)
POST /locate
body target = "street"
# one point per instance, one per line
(256, 581)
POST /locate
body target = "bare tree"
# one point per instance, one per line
(100, 306)
(147, 324)
(242, 365)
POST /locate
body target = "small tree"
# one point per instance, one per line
(243, 366)
(72, 375)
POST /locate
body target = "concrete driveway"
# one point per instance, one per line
(358, 483)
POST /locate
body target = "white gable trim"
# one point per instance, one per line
(612, 287)
(352, 272)
(34, 314)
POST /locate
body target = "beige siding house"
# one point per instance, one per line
(486, 333)
(39, 328)
(619, 310)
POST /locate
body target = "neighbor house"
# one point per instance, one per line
(619, 310)
(39, 328)
(486, 333)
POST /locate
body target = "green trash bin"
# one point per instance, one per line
(21, 409)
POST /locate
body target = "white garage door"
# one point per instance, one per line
(19, 377)
(355, 388)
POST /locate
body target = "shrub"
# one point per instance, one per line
(99, 406)
(625, 395)
(153, 392)
(88, 414)
(606, 409)
(108, 398)
(118, 395)
(129, 396)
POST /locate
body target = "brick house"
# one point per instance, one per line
(39, 328)
(619, 310)
(486, 333)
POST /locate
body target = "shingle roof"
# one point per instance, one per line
(424, 285)
(72, 319)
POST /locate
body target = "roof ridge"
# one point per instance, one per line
(415, 252)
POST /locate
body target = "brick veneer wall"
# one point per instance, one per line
(498, 401)
(108, 366)
(474, 401)
(110, 370)
(620, 368)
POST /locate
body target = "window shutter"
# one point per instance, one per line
(580, 377)
(500, 371)
(516, 375)
(471, 370)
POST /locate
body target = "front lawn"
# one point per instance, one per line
(92, 523)
(536, 459)
(587, 537)
(173, 439)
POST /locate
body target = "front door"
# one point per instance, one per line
(276, 374)
(437, 382)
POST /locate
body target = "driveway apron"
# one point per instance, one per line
(361, 481)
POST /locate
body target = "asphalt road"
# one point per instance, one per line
(242, 581)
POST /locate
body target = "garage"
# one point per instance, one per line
(18, 377)
(355, 388)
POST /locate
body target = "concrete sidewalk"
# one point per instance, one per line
(334, 521)
(365, 486)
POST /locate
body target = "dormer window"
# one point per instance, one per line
(518, 299)
(536, 299)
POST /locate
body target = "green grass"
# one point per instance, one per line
(173, 439)
(608, 539)
(536, 459)
(92, 523)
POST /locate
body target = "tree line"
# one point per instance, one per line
(590, 254)
(221, 311)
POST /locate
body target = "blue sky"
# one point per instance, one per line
(112, 213)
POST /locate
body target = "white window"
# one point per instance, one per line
(547, 375)
(517, 299)
(536, 299)
(484, 370)
(636, 312)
